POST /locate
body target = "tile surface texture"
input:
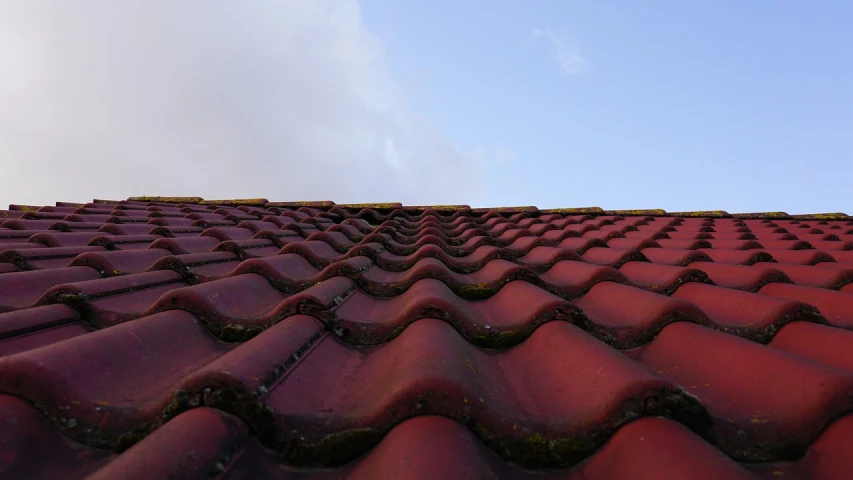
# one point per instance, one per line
(183, 338)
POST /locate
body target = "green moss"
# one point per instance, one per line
(529, 209)
(653, 212)
(763, 216)
(75, 300)
(822, 216)
(573, 211)
(536, 449)
(375, 206)
(700, 214)
(498, 339)
(308, 203)
(239, 333)
(342, 447)
(438, 208)
(537, 441)
(396, 332)
(508, 338)
(129, 439)
(332, 450)
(237, 202)
(176, 405)
(567, 449)
(167, 199)
(479, 291)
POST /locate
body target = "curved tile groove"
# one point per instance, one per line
(80, 386)
(646, 449)
(756, 317)
(238, 308)
(746, 388)
(340, 402)
(293, 273)
(500, 321)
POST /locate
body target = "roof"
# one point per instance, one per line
(183, 338)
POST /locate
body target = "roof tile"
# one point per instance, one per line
(560, 403)
(245, 338)
(745, 388)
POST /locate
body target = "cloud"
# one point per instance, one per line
(495, 157)
(284, 100)
(565, 53)
(503, 156)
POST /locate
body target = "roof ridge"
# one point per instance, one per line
(263, 202)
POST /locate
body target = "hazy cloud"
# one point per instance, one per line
(564, 52)
(495, 157)
(504, 157)
(285, 100)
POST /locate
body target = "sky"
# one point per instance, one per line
(733, 105)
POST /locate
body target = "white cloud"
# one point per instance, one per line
(285, 100)
(565, 52)
(497, 157)
(503, 156)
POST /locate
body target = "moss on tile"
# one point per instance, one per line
(339, 448)
(701, 214)
(375, 206)
(519, 209)
(574, 211)
(306, 203)
(166, 199)
(822, 216)
(236, 202)
(762, 216)
(653, 212)
(479, 291)
(499, 339)
(438, 208)
(129, 439)
(238, 333)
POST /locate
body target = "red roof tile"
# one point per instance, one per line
(177, 337)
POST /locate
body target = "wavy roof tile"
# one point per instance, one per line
(164, 337)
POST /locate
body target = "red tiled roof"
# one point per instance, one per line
(183, 338)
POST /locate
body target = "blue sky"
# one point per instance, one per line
(735, 105)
